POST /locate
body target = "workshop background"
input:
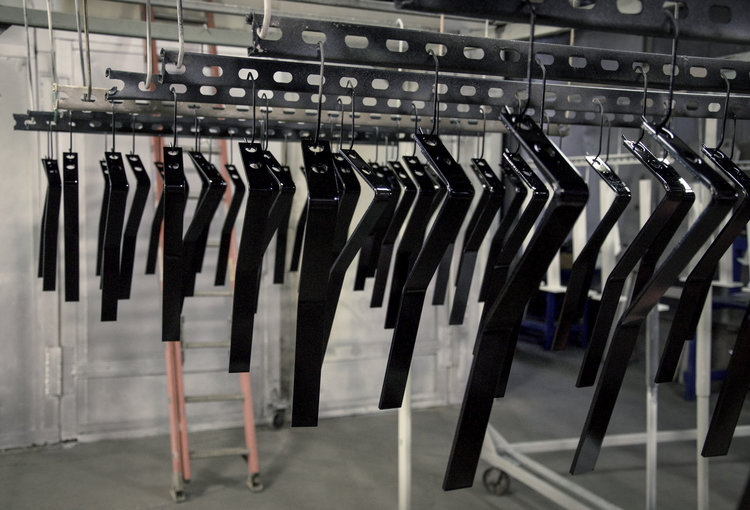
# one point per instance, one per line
(85, 405)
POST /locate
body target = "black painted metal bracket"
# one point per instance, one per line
(648, 245)
(130, 235)
(732, 396)
(504, 314)
(262, 192)
(698, 282)
(283, 233)
(479, 225)
(370, 252)
(70, 222)
(515, 188)
(443, 232)
(174, 195)
(118, 197)
(226, 230)
(153, 238)
(411, 240)
(194, 242)
(583, 268)
(408, 196)
(102, 217)
(723, 197)
(317, 259)
(299, 236)
(50, 225)
(499, 265)
(305, 389)
(280, 210)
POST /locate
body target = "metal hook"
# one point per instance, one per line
(544, 92)
(320, 90)
(377, 142)
(726, 111)
(197, 133)
(397, 140)
(645, 98)
(351, 143)
(341, 129)
(601, 126)
(532, 24)
(548, 122)
(252, 78)
(49, 139)
(174, 118)
(70, 128)
(435, 108)
(231, 151)
(265, 128)
(132, 123)
(484, 129)
(113, 127)
(416, 129)
(180, 35)
(458, 141)
(676, 28)
(609, 137)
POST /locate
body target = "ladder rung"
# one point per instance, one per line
(219, 397)
(212, 293)
(212, 244)
(219, 452)
(205, 345)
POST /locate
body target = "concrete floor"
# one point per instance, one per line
(351, 462)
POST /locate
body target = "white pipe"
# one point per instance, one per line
(263, 32)
(652, 406)
(180, 34)
(149, 64)
(404, 450)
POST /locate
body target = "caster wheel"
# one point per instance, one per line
(278, 419)
(496, 482)
(254, 483)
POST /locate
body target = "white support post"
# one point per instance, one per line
(652, 406)
(703, 393)
(404, 450)
(652, 357)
